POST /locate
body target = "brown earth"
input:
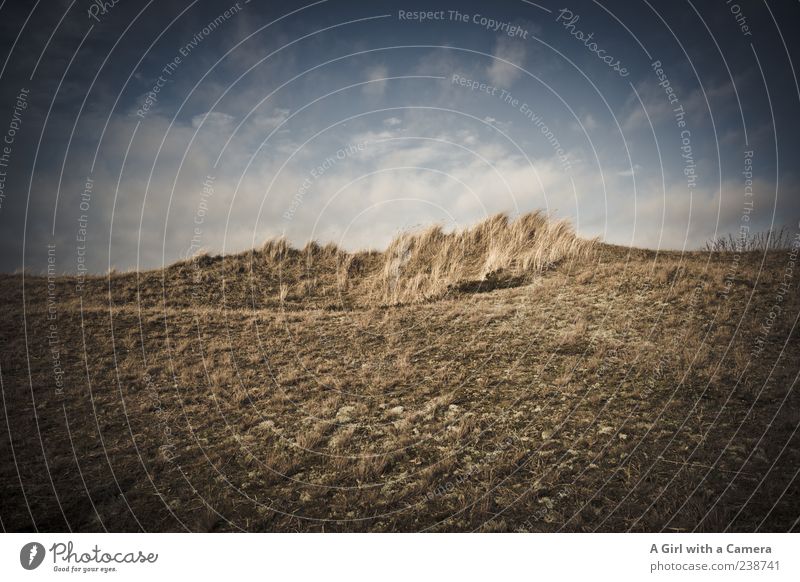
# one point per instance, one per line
(599, 388)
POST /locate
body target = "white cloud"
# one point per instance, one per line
(630, 171)
(213, 120)
(589, 122)
(657, 107)
(500, 72)
(270, 120)
(377, 87)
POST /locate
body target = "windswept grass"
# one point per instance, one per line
(417, 266)
(496, 252)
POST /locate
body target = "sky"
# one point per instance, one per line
(137, 134)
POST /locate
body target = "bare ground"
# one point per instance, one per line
(621, 391)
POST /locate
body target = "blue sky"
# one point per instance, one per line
(348, 122)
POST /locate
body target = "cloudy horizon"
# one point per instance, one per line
(136, 134)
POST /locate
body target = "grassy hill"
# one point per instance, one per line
(510, 377)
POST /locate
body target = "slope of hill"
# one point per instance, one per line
(511, 377)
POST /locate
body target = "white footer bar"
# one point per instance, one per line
(405, 557)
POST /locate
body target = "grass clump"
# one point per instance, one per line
(497, 252)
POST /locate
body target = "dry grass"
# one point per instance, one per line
(768, 240)
(425, 265)
(591, 387)
(275, 250)
(417, 266)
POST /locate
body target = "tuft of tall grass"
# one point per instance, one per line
(427, 264)
(276, 249)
